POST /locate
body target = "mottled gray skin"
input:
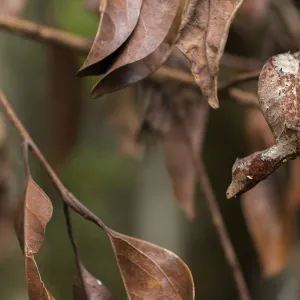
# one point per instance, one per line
(279, 93)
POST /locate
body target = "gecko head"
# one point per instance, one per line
(242, 180)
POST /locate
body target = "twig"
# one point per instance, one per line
(26, 146)
(45, 34)
(242, 77)
(170, 73)
(219, 223)
(82, 46)
(244, 97)
(73, 243)
(67, 197)
(217, 218)
(70, 230)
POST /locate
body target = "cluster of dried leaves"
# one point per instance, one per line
(131, 44)
(177, 116)
(148, 271)
(134, 38)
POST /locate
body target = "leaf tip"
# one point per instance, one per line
(190, 213)
(97, 91)
(213, 102)
(83, 71)
(94, 95)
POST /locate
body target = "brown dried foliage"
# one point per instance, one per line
(88, 287)
(118, 21)
(33, 214)
(151, 272)
(198, 28)
(164, 273)
(134, 38)
(178, 119)
(268, 207)
(124, 115)
(203, 35)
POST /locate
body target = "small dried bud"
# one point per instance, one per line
(279, 92)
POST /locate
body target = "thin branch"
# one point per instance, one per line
(240, 78)
(46, 34)
(73, 243)
(69, 227)
(70, 230)
(217, 218)
(82, 46)
(244, 97)
(165, 72)
(67, 197)
(219, 223)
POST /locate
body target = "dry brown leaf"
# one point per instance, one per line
(148, 47)
(204, 32)
(86, 287)
(124, 116)
(267, 208)
(270, 225)
(90, 288)
(178, 120)
(33, 214)
(93, 6)
(150, 272)
(119, 20)
(12, 7)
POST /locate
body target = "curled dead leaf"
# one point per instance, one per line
(150, 272)
(146, 49)
(88, 287)
(270, 225)
(203, 36)
(268, 208)
(117, 23)
(33, 214)
(178, 119)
